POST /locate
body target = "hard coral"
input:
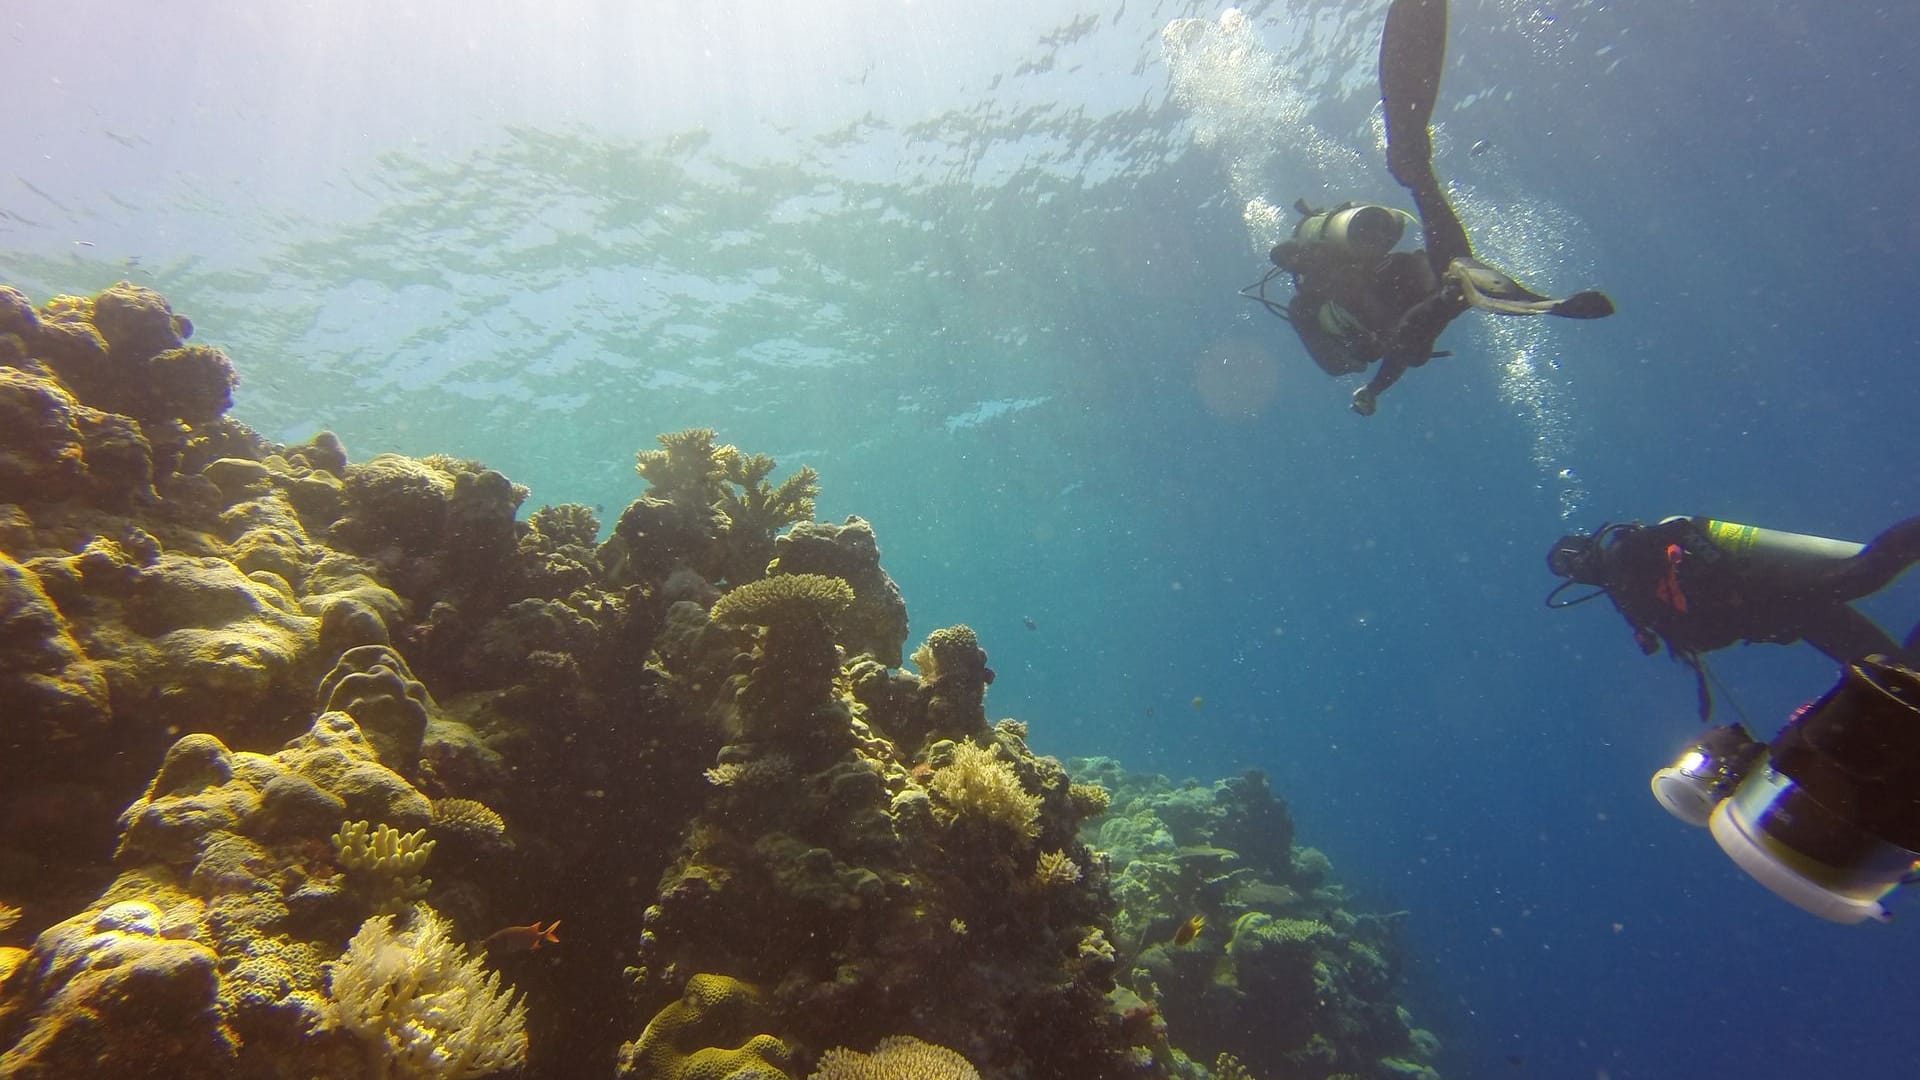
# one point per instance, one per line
(384, 862)
(785, 601)
(897, 1057)
(688, 470)
(756, 510)
(876, 624)
(717, 1030)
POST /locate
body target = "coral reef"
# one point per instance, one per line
(775, 844)
(876, 623)
(1283, 979)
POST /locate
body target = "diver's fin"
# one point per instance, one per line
(1491, 290)
(1591, 304)
(1413, 49)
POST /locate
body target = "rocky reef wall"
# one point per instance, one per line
(323, 767)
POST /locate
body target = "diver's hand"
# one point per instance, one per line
(1364, 401)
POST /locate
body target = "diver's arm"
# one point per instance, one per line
(1389, 373)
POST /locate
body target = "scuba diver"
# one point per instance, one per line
(1355, 299)
(1695, 585)
(1825, 816)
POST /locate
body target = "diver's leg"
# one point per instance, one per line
(1886, 557)
(1845, 635)
(1412, 50)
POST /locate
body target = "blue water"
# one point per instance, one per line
(976, 263)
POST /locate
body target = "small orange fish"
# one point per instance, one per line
(1189, 930)
(526, 938)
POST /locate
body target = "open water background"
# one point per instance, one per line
(976, 263)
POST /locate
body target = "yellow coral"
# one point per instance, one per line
(1089, 800)
(978, 786)
(8, 915)
(424, 1009)
(759, 507)
(386, 861)
(470, 820)
(1055, 869)
(898, 1057)
(688, 469)
(716, 1029)
(948, 651)
(783, 600)
(1228, 1067)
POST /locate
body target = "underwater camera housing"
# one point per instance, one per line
(1827, 816)
(1361, 230)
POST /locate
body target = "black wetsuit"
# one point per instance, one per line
(1401, 302)
(1396, 307)
(1676, 587)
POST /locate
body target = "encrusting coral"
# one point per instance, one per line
(422, 1007)
(717, 1029)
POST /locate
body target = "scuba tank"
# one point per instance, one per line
(1770, 551)
(1361, 230)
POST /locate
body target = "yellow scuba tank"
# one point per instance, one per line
(1363, 231)
(1771, 549)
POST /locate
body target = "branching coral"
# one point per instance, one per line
(424, 1009)
(897, 1057)
(978, 787)
(1089, 800)
(716, 1029)
(757, 510)
(1055, 869)
(384, 862)
(786, 600)
(759, 507)
(688, 470)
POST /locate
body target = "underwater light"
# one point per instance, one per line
(1827, 816)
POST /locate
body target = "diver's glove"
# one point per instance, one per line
(1365, 401)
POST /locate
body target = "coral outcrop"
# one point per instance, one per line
(1283, 978)
(771, 845)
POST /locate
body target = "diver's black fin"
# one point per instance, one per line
(1591, 304)
(1489, 289)
(1413, 50)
